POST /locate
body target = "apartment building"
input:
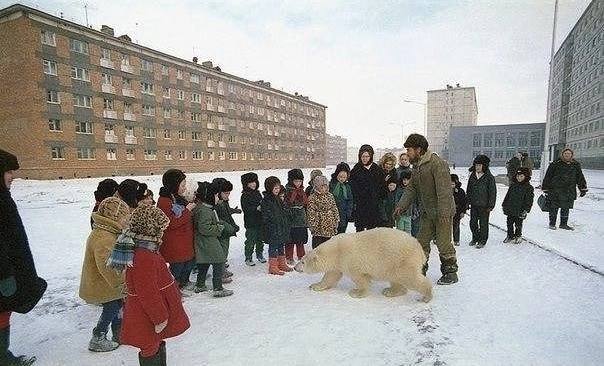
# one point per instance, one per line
(337, 149)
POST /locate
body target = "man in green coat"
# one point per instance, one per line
(431, 183)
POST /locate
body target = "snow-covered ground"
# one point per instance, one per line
(513, 305)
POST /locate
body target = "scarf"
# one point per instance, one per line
(122, 255)
(340, 192)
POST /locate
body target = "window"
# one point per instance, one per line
(56, 153)
(76, 45)
(48, 38)
(82, 101)
(105, 53)
(108, 104)
(146, 88)
(85, 153)
(149, 133)
(50, 67)
(181, 135)
(167, 112)
(148, 110)
(150, 154)
(168, 155)
(221, 155)
(535, 138)
(166, 93)
(182, 155)
(196, 136)
(499, 140)
(522, 139)
(128, 108)
(130, 154)
(52, 96)
(54, 125)
(79, 73)
(195, 117)
(195, 98)
(129, 131)
(146, 65)
(510, 140)
(211, 155)
(125, 60)
(111, 154)
(180, 94)
(232, 139)
(179, 74)
(165, 70)
(83, 127)
(167, 134)
(127, 83)
(194, 78)
(106, 79)
(476, 141)
(488, 140)
(180, 113)
(232, 155)
(499, 154)
(197, 155)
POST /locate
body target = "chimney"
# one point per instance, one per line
(207, 64)
(195, 59)
(457, 85)
(107, 30)
(125, 37)
(217, 68)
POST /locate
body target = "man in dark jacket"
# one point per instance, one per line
(562, 178)
(252, 217)
(512, 166)
(461, 206)
(482, 195)
(20, 286)
(368, 190)
(430, 182)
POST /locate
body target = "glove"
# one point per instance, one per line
(161, 326)
(583, 193)
(177, 210)
(523, 215)
(8, 286)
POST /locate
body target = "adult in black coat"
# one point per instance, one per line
(512, 167)
(562, 178)
(482, 195)
(20, 286)
(461, 206)
(367, 182)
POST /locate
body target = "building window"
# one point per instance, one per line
(535, 138)
(180, 95)
(149, 133)
(522, 139)
(146, 65)
(148, 110)
(195, 117)
(125, 61)
(182, 155)
(167, 112)
(50, 67)
(232, 155)
(211, 155)
(168, 155)
(129, 131)
(79, 73)
(83, 127)
(195, 98)
(54, 125)
(232, 139)
(130, 154)
(181, 134)
(197, 155)
(196, 136)
(105, 54)
(165, 70)
(111, 154)
(128, 108)
(221, 155)
(179, 74)
(509, 154)
(127, 83)
(488, 140)
(180, 113)
(510, 140)
(84, 101)
(146, 88)
(194, 78)
(150, 154)
(76, 45)
(108, 104)
(52, 96)
(498, 154)
(167, 134)
(476, 141)
(85, 153)
(166, 93)
(106, 79)
(48, 38)
(57, 153)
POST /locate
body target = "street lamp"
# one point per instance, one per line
(424, 105)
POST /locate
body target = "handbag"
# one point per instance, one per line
(544, 203)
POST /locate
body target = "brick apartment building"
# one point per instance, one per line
(77, 102)
(337, 148)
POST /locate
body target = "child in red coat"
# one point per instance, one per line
(153, 309)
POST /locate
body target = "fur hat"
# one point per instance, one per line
(318, 182)
(8, 162)
(206, 192)
(455, 179)
(342, 167)
(106, 188)
(293, 175)
(270, 183)
(148, 222)
(482, 160)
(223, 185)
(313, 174)
(128, 191)
(172, 179)
(368, 149)
(248, 178)
(524, 171)
(114, 209)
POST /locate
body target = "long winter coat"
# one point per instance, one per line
(177, 245)
(152, 298)
(518, 199)
(561, 182)
(16, 259)
(431, 183)
(461, 200)
(367, 191)
(389, 204)
(275, 220)
(99, 283)
(208, 230)
(344, 199)
(224, 212)
(250, 201)
(323, 215)
(482, 192)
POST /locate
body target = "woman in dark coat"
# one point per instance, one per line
(560, 184)
(367, 181)
(20, 286)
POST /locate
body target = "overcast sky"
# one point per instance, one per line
(360, 58)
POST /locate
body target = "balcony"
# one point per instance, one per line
(211, 126)
(276, 147)
(130, 140)
(107, 63)
(222, 127)
(211, 144)
(108, 88)
(110, 138)
(270, 147)
(222, 144)
(210, 107)
(129, 116)
(127, 68)
(109, 114)
(221, 109)
(128, 93)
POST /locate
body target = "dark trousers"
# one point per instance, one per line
(275, 250)
(111, 314)
(514, 226)
(318, 240)
(553, 216)
(253, 239)
(342, 227)
(181, 271)
(415, 226)
(217, 273)
(479, 224)
(456, 220)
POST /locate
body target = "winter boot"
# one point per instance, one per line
(201, 288)
(260, 258)
(162, 353)
(6, 356)
(473, 242)
(448, 267)
(190, 287)
(249, 262)
(154, 360)
(273, 267)
(282, 263)
(481, 245)
(518, 240)
(448, 279)
(564, 223)
(552, 227)
(100, 343)
(222, 293)
(116, 329)
(227, 279)
(508, 240)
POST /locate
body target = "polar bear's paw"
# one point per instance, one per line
(318, 286)
(394, 291)
(357, 293)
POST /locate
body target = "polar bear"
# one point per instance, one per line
(382, 254)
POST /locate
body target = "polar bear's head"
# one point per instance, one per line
(319, 259)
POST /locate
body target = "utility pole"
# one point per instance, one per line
(86, 12)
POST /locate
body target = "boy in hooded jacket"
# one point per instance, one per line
(517, 204)
(252, 218)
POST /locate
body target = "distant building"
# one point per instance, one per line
(499, 142)
(576, 105)
(352, 155)
(336, 149)
(381, 151)
(452, 106)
